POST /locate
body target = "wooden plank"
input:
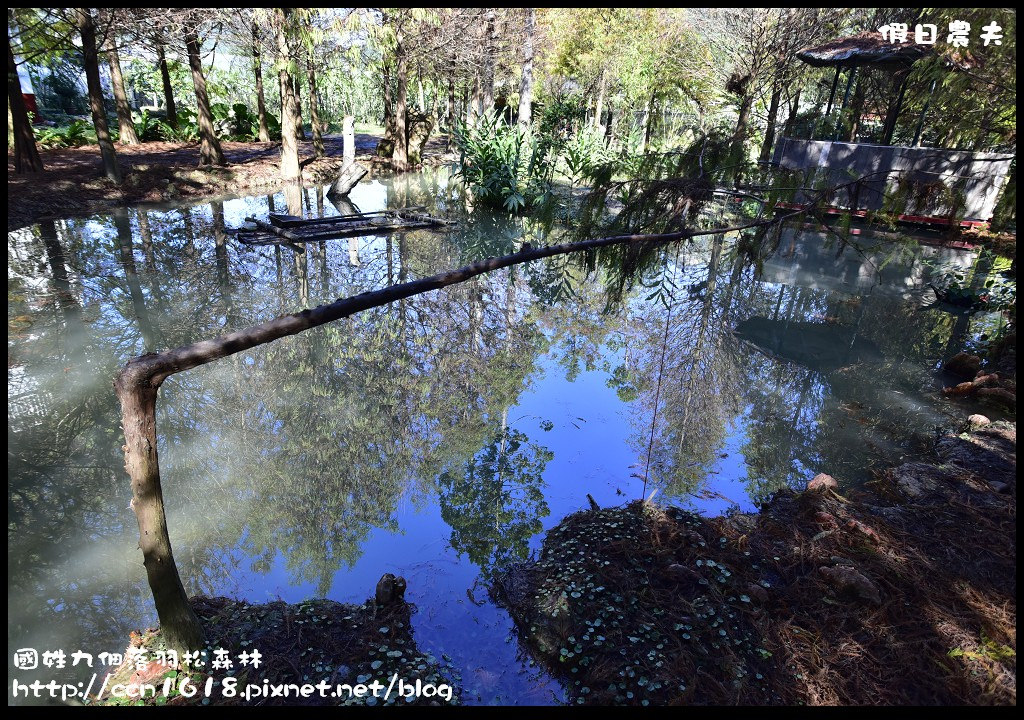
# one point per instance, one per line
(267, 227)
(282, 220)
(263, 237)
(289, 221)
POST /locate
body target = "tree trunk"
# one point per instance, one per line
(314, 110)
(87, 29)
(773, 115)
(289, 145)
(794, 110)
(179, 625)
(450, 120)
(473, 108)
(165, 78)
(210, 152)
(526, 82)
(126, 128)
(648, 122)
(257, 67)
(400, 154)
(856, 110)
(26, 155)
(488, 72)
(599, 107)
(300, 130)
(743, 119)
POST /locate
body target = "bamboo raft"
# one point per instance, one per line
(289, 229)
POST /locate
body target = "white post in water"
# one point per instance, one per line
(348, 134)
(351, 171)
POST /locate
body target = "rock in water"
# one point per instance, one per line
(963, 365)
(390, 589)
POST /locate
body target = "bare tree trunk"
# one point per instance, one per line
(599, 108)
(126, 128)
(87, 29)
(300, 130)
(179, 625)
(856, 109)
(739, 136)
(289, 145)
(794, 110)
(257, 67)
(389, 113)
(488, 73)
(474, 109)
(649, 122)
(526, 82)
(450, 120)
(314, 110)
(400, 155)
(165, 79)
(26, 154)
(773, 116)
(210, 152)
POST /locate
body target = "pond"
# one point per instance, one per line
(440, 436)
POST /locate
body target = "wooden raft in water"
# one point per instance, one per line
(291, 229)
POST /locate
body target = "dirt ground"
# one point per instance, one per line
(317, 641)
(72, 183)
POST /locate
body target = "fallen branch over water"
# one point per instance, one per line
(137, 384)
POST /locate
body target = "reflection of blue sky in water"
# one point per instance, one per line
(734, 423)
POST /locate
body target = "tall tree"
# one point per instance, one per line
(90, 56)
(314, 103)
(257, 68)
(165, 80)
(289, 107)
(526, 81)
(126, 128)
(488, 50)
(400, 157)
(26, 155)
(210, 152)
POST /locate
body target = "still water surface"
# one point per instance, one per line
(437, 437)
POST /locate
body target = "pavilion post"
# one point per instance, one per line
(920, 119)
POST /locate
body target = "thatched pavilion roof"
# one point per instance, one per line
(865, 48)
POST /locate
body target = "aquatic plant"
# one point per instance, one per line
(506, 167)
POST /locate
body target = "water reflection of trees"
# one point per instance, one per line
(683, 361)
(299, 449)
